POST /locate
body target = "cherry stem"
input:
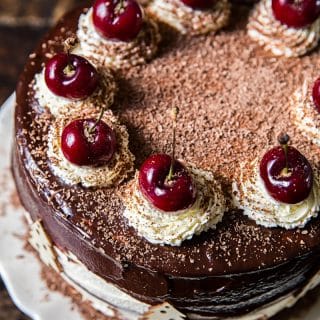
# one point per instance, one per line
(175, 112)
(283, 140)
(91, 130)
(68, 45)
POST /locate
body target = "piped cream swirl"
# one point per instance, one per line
(189, 21)
(102, 96)
(117, 54)
(250, 195)
(304, 113)
(111, 174)
(173, 228)
(278, 38)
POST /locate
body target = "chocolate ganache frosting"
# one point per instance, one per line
(233, 101)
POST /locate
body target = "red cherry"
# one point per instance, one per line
(316, 94)
(199, 4)
(177, 194)
(117, 19)
(296, 13)
(84, 145)
(71, 76)
(289, 187)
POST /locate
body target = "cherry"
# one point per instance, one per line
(71, 76)
(199, 4)
(117, 19)
(286, 173)
(86, 142)
(316, 94)
(296, 13)
(173, 194)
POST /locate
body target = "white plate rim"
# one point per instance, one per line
(21, 277)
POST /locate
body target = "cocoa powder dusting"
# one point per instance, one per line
(234, 101)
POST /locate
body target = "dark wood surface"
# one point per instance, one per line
(22, 24)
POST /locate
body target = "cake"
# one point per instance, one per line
(222, 246)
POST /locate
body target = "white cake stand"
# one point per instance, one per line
(19, 269)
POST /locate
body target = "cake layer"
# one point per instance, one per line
(223, 295)
(234, 102)
(113, 303)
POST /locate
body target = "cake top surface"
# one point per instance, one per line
(233, 100)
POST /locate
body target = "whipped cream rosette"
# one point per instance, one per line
(277, 37)
(109, 174)
(113, 53)
(304, 113)
(172, 228)
(188, 20)
(251, 195)
(103, 96)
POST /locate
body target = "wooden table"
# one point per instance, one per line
(22, 24)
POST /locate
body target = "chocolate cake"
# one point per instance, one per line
(234, 100)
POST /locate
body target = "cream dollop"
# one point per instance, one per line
(189, 21)
(304, 113)
(102, 96)
(250, 195)
(173, 228)
(117, 54)
(278, 38)
(111, 174)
